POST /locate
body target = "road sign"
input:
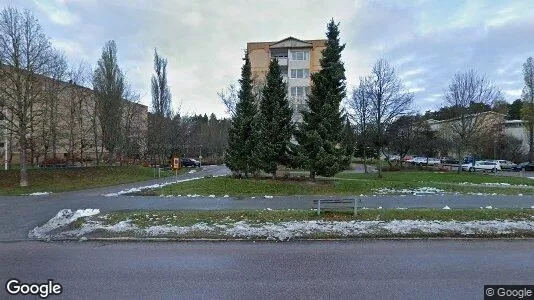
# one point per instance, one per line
(176, 163)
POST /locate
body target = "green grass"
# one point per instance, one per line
(59, 180)
(350, 184)
(144, 219)
(443, 177)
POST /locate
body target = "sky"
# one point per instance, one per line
(427, 42)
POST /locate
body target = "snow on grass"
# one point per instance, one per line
(416, 191)
(446, 207)
(40, 194)
(152, 186)
(299, 229)
(63, 218)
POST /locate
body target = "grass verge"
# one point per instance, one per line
(299, 224)
(144, 219)
(353, 184)
(60, 180)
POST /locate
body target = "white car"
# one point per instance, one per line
(482, 165)
(506, 164)
(423, 161)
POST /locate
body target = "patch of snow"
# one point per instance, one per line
(488, 207)
(226, 196)
(496, 183)
(40, 194)
(192, 171)
(520, 194)
(380, 207)
(63, 218)
(446, 207)
(267, 197)
(211, 196)
(152, 186)
(416, 192)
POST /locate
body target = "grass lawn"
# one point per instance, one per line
(447, 177)
(59, 180)
(145, 219)
(351, 184)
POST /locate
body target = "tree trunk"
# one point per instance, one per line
(364, 160)
(379, 164)
(23, 163)
(312, 174)
(530, 141)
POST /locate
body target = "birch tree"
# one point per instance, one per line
(25, 55)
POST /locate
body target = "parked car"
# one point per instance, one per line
(524, 166)
(505, 164)
(190, 162)
(482, 165)
(423, 161)
(449, 161)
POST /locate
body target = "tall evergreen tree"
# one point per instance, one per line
(274, 121)
(241, 155)
(320, 146)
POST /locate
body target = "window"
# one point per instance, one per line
(300, 73)
(300, 55)
(299, 91)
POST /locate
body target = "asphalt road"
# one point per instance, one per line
(20, 214)
(424, 269)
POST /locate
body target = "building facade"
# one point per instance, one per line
(66, 127)
(297, 59)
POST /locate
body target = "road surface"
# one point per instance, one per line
(423, 269)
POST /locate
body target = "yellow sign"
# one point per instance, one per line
(176, 163)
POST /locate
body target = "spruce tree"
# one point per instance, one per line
(320, 145)
(275, 125)
(242, 137)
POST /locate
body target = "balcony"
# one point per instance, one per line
(282, 61)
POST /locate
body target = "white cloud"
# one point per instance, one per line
(57, 11)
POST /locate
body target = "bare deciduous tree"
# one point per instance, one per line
(388, 100)
(465, 90)
(25, 54)
(528, 105)
(361, 115)
(229, 99)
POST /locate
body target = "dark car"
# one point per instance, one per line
(189, 162)
(524, 166)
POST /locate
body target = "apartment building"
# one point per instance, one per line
(297, 59)
(64, 128)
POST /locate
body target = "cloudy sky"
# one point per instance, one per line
(426, 41)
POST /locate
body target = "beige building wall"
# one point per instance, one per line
(71, 102)
(261, 53)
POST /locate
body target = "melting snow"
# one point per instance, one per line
(417, 191)
(153, 186)
(62, 218)
(295, 229)
(40, 193)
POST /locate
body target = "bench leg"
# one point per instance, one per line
(319, 207)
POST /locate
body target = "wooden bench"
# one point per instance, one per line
(332, 204)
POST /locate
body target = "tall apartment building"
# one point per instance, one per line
(297, 59)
